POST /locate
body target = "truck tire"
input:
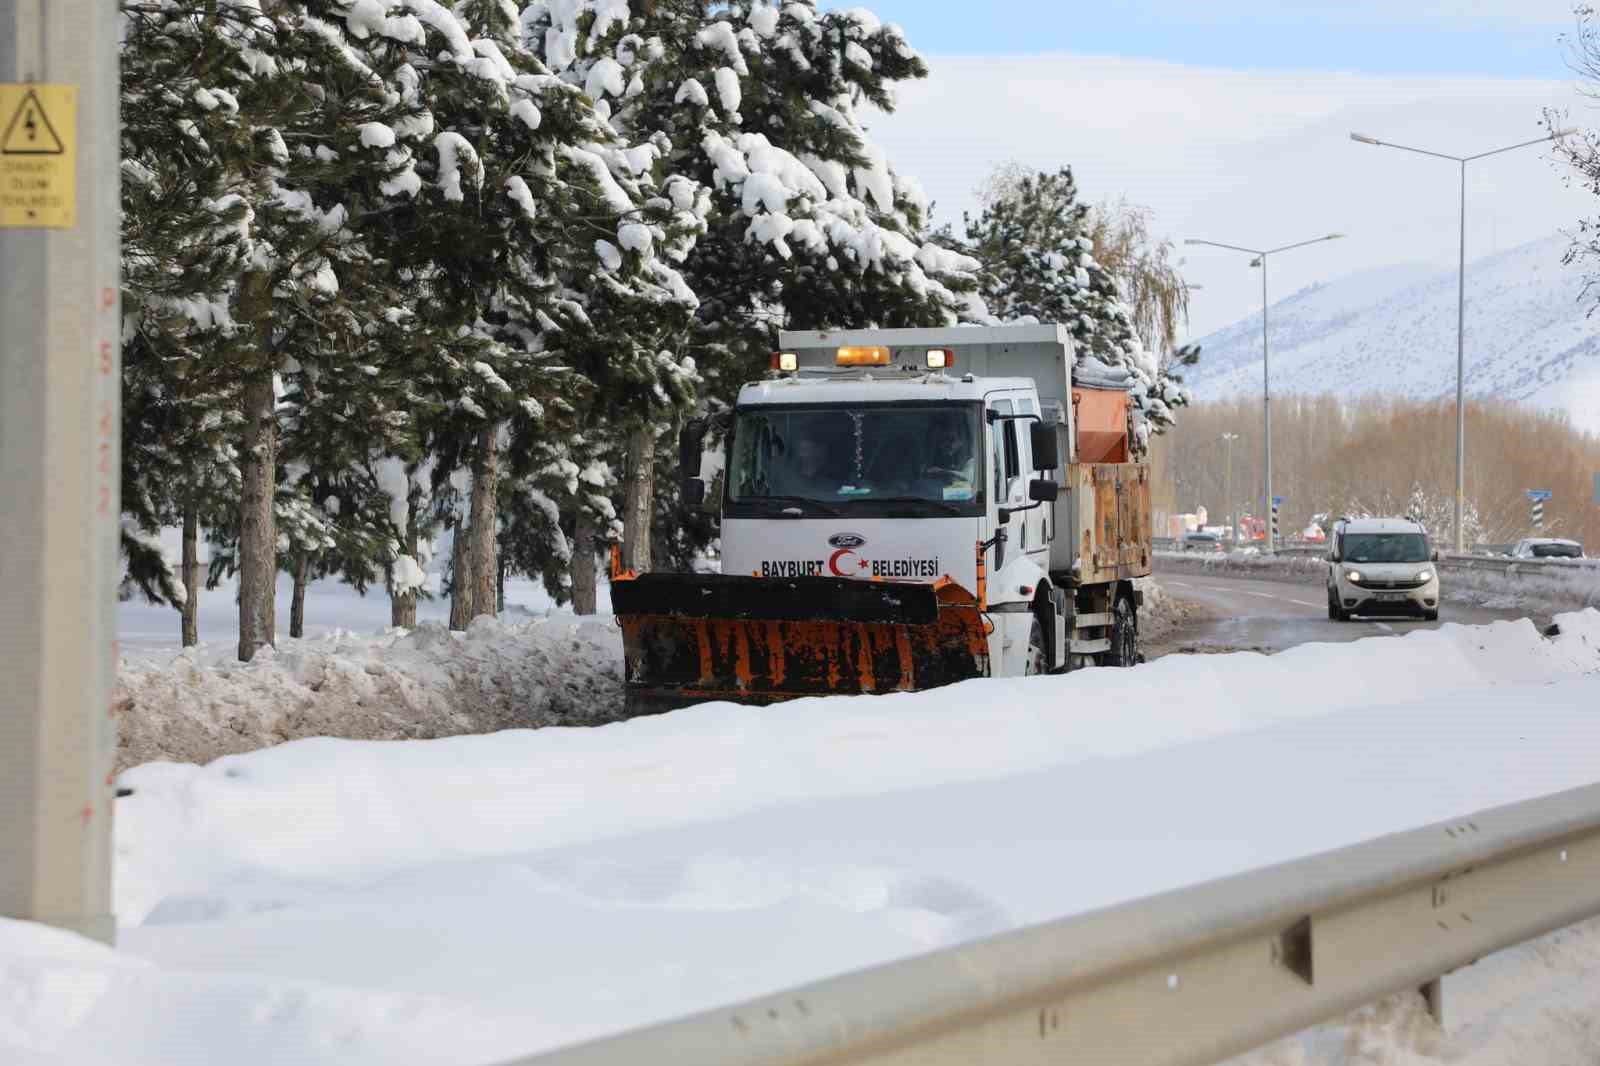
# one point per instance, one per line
(1038, 652)
(1124, 634)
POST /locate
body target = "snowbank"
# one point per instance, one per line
(471, 899)
(423, 683)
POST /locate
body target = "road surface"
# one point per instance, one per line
(1236, 614)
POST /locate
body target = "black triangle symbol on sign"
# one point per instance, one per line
(29, 132)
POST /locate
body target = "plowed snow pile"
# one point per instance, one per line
(500, 674)
(473, 899)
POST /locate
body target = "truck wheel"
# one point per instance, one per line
(1124, 634)
(1038, 655)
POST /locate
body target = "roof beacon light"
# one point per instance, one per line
(941, 358)
(785, 361)
(874, 356)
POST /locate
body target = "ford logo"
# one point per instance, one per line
(847, 540)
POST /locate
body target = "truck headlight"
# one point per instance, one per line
(1353, 575)
(1425, 576)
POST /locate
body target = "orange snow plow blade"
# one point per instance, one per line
(690, 638)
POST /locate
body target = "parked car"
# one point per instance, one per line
(1382, 566)
(1547, 548)
(1201, 542)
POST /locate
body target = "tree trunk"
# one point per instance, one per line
(460, 577)
(485, 472)
(191, 576)
(258, 560)
(640, 502)
(583, 568)
(403, 605)
(297, 605)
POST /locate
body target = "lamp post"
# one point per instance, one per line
(1461, 300)
(1266, 369)
(1233, 513)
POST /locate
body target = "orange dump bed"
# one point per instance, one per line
(1102, 419)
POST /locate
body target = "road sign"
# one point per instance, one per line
(1277, 501)
(38, 156)
(1539, 494)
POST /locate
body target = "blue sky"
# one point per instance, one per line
(1494, 38)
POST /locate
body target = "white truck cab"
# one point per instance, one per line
(1381, 566)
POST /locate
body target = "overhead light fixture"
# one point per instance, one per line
(863, 356)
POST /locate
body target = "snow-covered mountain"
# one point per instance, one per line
(1393, 330)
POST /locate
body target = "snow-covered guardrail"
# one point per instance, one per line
(1187, 977)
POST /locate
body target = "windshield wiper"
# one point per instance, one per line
(806, 500)
(939, 505)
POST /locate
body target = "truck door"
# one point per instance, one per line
(1000, 475)
(1036, 536)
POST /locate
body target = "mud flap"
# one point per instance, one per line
(689, 638)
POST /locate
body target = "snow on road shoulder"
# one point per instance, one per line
(428, 682)
(471, 899)
(188, 831)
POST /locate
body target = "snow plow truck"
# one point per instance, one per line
(902, 509)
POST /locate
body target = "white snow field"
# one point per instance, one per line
(471, 899)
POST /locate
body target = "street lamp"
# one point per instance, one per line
(1227, 498)
(1461, 300)
(1260, 260)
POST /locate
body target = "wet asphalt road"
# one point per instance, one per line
(1270, 616)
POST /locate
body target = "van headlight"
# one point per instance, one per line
(1353, 575)
(1425, 576)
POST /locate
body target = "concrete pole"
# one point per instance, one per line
(1266, 402)
(1461, 368)
(59, 465)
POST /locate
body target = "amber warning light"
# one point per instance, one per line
(940, 358)
(875, 356)
(785, 361)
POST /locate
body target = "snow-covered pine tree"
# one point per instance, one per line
(185, 243)
(265, 106)
(536, 240)
(1039, 266)
(807, 225)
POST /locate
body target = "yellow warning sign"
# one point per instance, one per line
(38, 155)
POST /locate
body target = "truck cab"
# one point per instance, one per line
(895, 477)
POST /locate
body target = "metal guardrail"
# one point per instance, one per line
(1553, 568)
(1181, 979)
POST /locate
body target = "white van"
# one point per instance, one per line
(1381, 566)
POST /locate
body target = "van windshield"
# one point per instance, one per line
(1385, 548)
(856, 455)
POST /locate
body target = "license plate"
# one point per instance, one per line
(1392, 597)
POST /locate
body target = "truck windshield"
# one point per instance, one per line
(1385, 548)
(860, 457)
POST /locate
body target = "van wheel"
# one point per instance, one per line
(1430, 616)
(1335, 612)
(1038, 655)
(1124, 634)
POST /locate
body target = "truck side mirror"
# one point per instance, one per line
(1046, 454)
(691, 442)
(694, 491)
(1041, 490)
